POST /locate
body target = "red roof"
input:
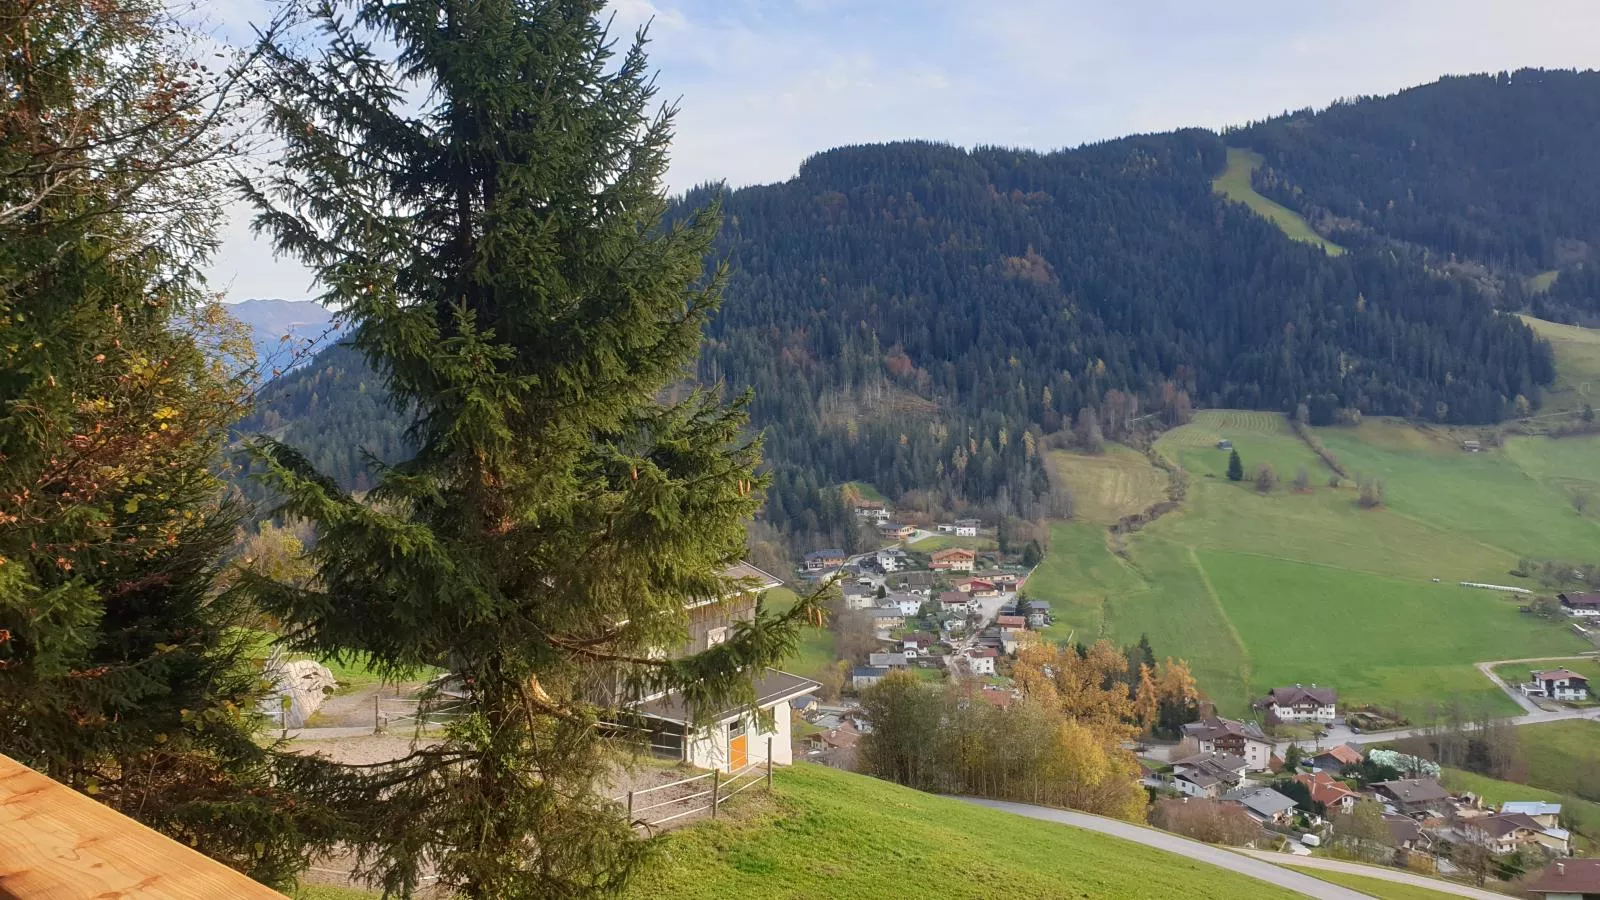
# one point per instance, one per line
(1569, 876)
(1324, 789)
(1343, 754)
(1011, 621)
(1558, 674)
(953, 553)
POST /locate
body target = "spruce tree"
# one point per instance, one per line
(1235, 467)
(502, 258)
(121, 673)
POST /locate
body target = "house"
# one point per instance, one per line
(1302, 704)
(1546, 814)
(859, 596)
(955, 559)
(978, 587)
(1208, 774)
(886, 660)
(917, 644)
(1568, 879)
(1557, 684)
(874, 510)
(1406, 832)
(1004, 579)
(1471, 446)
(891, 560)
(907, 604)
(1510, 832)
(968, 527)
(1412, 795)
(733, 737)
(955, 602)
(1325, 789)
(887, 617)
(823, 560)
(1263, 804)
(1225, 736)
(945, 528)
(866, 676)
(1011, 621)
(982, 660)
(915, 580)
(895, 531)
(1335, 758)
(1585, 605)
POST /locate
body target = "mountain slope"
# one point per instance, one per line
(285, 333)
(829, 833)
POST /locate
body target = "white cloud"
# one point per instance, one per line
(762, 84)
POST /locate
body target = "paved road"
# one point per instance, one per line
(1378, 872)
(1289, 880)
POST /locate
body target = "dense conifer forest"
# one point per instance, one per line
(928, 319)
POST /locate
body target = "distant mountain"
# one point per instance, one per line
(285, 333)
(926, 318)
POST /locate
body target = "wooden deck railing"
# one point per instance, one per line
(57, 844)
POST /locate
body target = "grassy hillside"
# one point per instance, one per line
(1563, 756)
(1300, 587)
(828, 833)
(1114, 484)
(1584, 814)
(815, 652)
(1234, 183)
(1577, 365)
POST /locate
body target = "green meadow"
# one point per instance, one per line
(1577, 365)
(1234, 183)
(1292, 587)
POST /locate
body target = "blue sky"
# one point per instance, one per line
(762, 84)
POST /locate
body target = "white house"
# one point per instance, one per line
(735, 736)
(946, 528)
(873, 510)
(1557, 684)
(907, 604)
(1582, 605)
(967, 527)
(1302, 704)
(1239, 739)
(866, 676)
(982, 660)
(1207, 774)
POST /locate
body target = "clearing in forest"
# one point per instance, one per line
(1119, 482)
(1234, 183)
(1577, 365)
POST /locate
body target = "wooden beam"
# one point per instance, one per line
(57, 844)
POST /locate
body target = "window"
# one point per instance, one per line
(735, 728)
(716, 636)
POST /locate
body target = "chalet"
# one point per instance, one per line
(1557, 684)
(1037, 612)
(1011, 621)
(1208, 774)
(823, 560)
(1335, 758)
(1412, 795)
(955, 559)
(735, 736)
(874, 510)
(895, 531)
(1510, 832)
(907, 604)
(890, 560)
(1568, 879)
(1263, 804)
(842, 738)
(981, 660)
(1301, 704)
(866, 676)
(887, 617)
(1406, 832)
(955, 602)
(1325, 789)
(1585, 605)
(1225, 736)
(967, 527)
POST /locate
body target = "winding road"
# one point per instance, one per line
(1256, 864)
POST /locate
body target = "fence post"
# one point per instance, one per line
(377, 721)
(715, 779)
(769, 763)
(630, 809)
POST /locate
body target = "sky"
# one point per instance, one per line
(763, 84)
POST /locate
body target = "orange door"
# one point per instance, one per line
(737, 756)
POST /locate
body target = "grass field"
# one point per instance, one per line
(829, 833)
(1234, 183)
(1105, 488)
(1577, 365)
(1374, 887)
(1298, 587)
(1563, 757)
(1538, 284)
(815, 652)
(866, 490)
(946, 541)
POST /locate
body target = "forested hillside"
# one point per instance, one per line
(925, 318)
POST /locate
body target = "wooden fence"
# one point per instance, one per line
(695, 794)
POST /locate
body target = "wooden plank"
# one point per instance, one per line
(57, 844)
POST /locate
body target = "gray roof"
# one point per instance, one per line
(772, 688)
(876, 660)
(1043, 605)
(1413, 790)
(869, 671)
(1213, 728)
(1263, 800)
(825, 554)
(1294, 696)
